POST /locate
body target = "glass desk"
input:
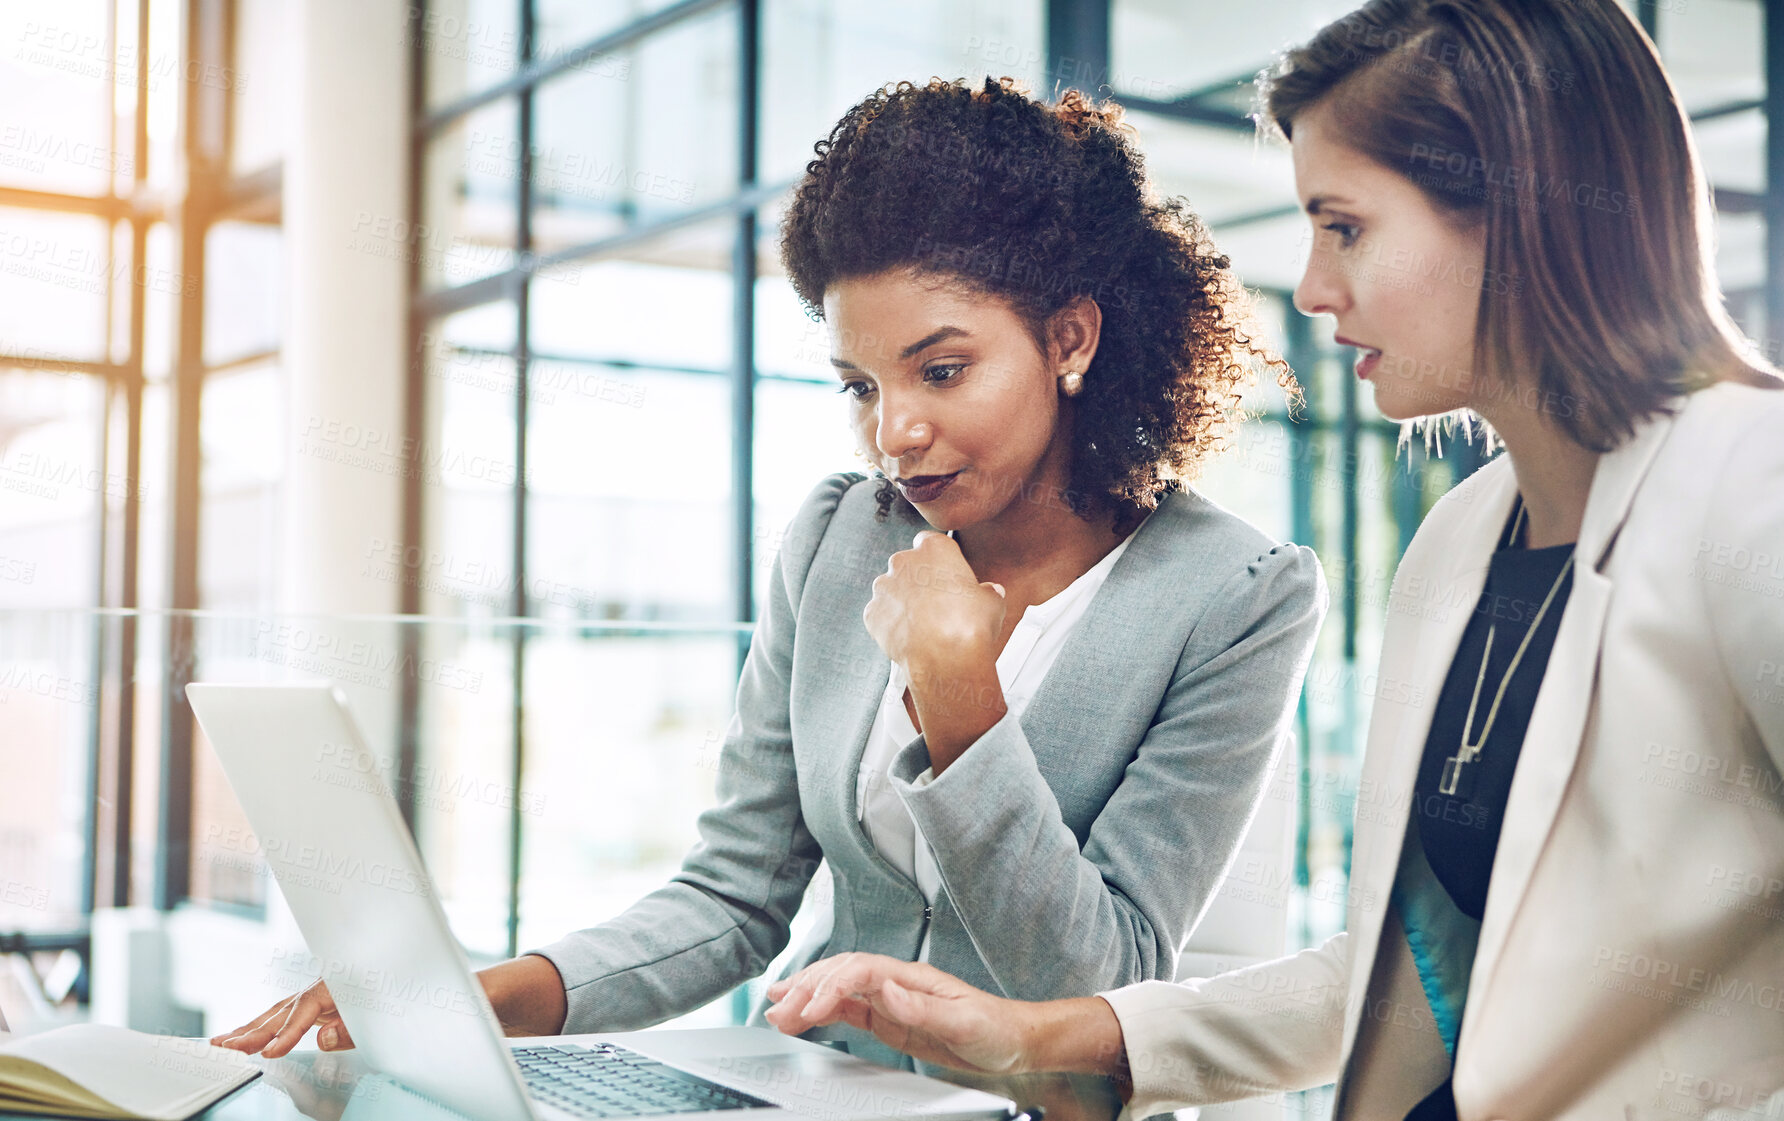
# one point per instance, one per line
(338, 1086)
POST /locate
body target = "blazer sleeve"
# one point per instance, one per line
(1049, 918)
(1742, 547)
(1271, 1027)
(726, 914)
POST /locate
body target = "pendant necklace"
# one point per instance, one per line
(1468, 752)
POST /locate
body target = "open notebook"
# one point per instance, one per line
(93, 1070)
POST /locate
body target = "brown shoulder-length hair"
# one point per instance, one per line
(1554, 124)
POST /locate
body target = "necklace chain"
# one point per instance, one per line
(1469, 752)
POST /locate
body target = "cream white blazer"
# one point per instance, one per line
(1631, 956)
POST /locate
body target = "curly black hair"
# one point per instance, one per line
(1039, 205)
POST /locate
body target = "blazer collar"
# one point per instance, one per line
(1614, 486)
(1615, 482)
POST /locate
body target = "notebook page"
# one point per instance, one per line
(152, 1075)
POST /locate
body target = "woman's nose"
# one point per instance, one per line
(901, 431)
(1323, 289)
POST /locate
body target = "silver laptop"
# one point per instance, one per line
(328, 826)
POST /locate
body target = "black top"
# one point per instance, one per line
(1460, 831)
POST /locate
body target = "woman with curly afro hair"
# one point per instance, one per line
(1026, 747)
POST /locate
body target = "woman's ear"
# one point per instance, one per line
(1074, 331)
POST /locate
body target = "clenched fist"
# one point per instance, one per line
(934, 617)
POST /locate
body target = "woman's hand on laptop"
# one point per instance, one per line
(937, 1018)
(280, 1028)
(526, 993)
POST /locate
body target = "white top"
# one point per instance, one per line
(1030, 652)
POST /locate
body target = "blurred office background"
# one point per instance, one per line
(443, 350)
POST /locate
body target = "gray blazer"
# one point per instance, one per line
(1078, 846)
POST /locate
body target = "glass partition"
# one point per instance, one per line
(619, 731)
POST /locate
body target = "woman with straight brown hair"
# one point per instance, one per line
(1567, 892)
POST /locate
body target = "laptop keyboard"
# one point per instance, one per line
(609, 1081)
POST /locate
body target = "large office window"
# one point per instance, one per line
(122, 189)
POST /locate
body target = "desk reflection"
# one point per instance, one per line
(1063, 1097)
(338, 1086)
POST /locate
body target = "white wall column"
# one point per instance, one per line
(346, 173)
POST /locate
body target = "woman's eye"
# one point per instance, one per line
(1347, 233)
(943, 374)
(856, 389)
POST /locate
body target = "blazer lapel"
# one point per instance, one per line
(853, 668)
(1564, 703)
(1428, 610)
